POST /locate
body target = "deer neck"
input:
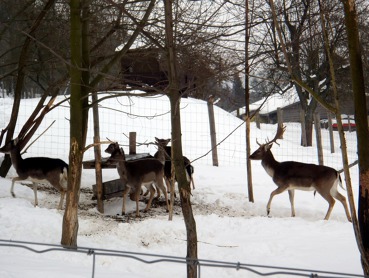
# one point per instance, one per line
(269, 163)
(16, 157)
(161, 154)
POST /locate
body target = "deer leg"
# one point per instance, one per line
(291, 194)
(167, 183)
(157, 189)
(152, 193)
(342, 199)
(331, 202)
(137, 195)
(125, 192)
(12, 187)
(61, 202)
(170, 183)
(279, 190)
(162, 187)
(35, 193)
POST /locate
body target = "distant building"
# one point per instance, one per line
(146, 68)
(289, 103)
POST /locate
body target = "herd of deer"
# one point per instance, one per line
(153, 172)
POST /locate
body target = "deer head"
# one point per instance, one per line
(259, 154)
(112, 148)
(161, 142)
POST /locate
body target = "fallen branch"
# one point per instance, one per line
(223, 246)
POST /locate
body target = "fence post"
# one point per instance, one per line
(132, 142)
(213, 136)
(280, 118)
(97, 153)
(318, 138)
(303, 128)
(331, 132)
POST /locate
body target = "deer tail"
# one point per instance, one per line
(340, 182)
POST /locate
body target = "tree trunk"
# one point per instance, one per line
(309, 130)
(177, 156)
(183, 185)
(78, 124)
(70, 219)
(247, 104)
(362, 132)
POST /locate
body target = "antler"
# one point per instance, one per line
(257, 142)
(279, 134)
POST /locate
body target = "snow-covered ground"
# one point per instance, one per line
(229, 227)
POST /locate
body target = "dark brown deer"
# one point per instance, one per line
(37, 169)
(291, 175)
(164, 155)
(137, 173)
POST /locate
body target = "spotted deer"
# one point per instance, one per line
(137, 173)
(291, 175)
(37, 169)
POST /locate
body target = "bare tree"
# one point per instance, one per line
(81, 86)
(303, 59)
(362, 133)
(177, 156)
(22, 59)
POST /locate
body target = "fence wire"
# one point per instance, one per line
(147, 258)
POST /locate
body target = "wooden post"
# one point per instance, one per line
(213, 136)
(318, 138)
(97, 152)
(330, 128)
(280, 118)
(132, 142)
(303, 128)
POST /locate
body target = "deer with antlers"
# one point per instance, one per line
(291, 175)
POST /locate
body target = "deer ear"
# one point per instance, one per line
(268, 147)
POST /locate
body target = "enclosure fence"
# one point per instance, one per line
(162, 260)
(149, 117)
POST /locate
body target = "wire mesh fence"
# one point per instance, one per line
(150, 117)
(163, 261)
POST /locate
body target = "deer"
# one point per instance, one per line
(164, 156)
(137, 173)
(37, 169)
(291, 175)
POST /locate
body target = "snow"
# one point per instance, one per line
(229, 227)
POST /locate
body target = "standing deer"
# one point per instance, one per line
(137, 173)
(37, 169)
(291, 175)
(164, 155)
